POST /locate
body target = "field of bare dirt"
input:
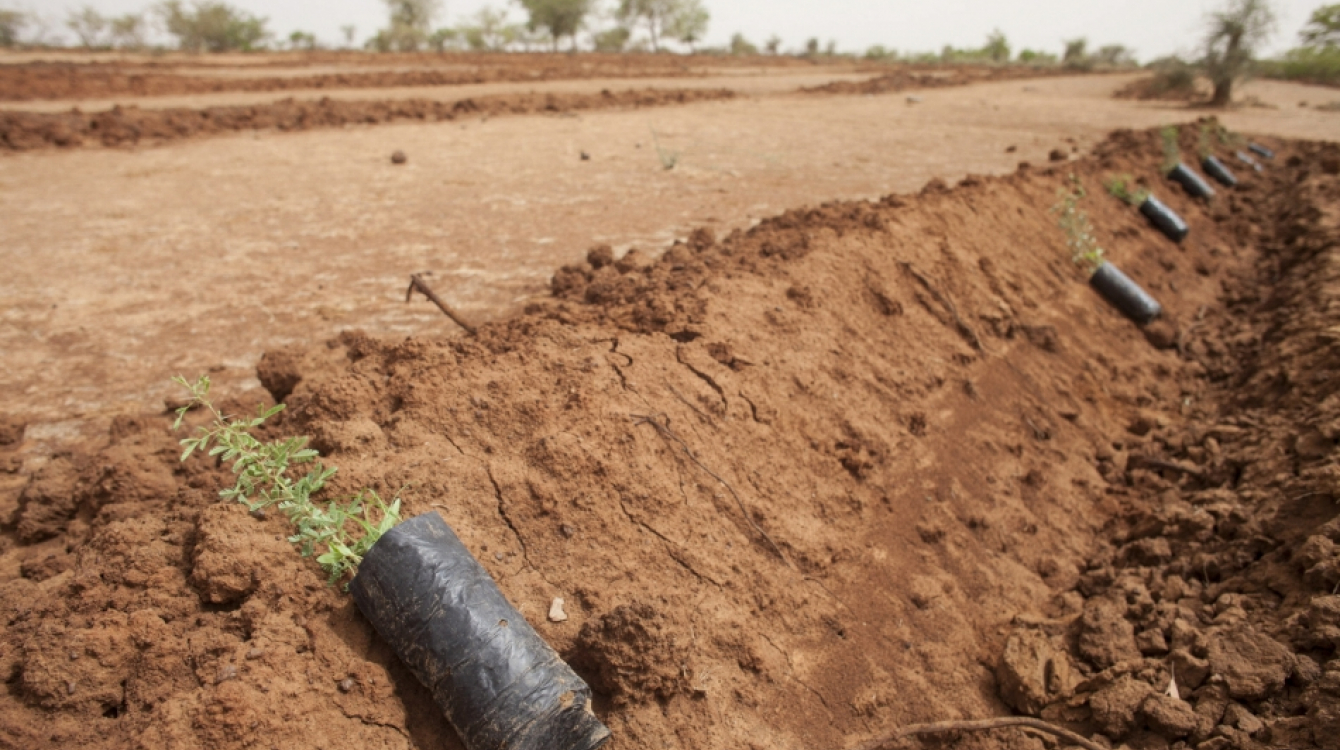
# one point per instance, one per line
(790, 392)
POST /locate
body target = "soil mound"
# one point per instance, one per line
(1163, 88)
(862, 465)
(44, 80)
(910, 79)
(131, 126)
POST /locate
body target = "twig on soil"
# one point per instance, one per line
(1155, 463)
(963, 326)
(686, 402)
(417, 284)
(665, 430)
(983, 725)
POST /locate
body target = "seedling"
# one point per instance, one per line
(1227, 137)
(1084, 249)
(1119, 187)
(668, 158)
(341, 532)
(1204, 142)
(1172, 153)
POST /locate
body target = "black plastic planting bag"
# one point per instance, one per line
(1249, 161)
(1216, 169)
(1261, 151)
(1164, 218)
(1124, 294)
(1194, 184)
(499, 684)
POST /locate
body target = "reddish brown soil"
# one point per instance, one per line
(862, 465)
(131, 126)
(1148, 89)
(91, 80)
(912, 78)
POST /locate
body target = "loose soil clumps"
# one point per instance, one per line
(132, 126)
(103, 80)
(860, 466)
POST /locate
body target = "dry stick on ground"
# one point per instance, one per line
(686, 402)
(664, 429)
(963, 326)
(1160, 464)
(417, 284)
(980, 725)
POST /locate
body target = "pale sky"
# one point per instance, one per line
(1152, 27)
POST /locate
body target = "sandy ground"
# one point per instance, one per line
(127, 267)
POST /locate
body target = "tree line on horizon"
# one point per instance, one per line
(1233, 34)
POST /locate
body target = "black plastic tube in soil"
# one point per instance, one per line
(1261, 151)
(1164, 218)
(1216, 169)
(1124, 294)
(1192, 183)
(498, 683)
(1249, 161)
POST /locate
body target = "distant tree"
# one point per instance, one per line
(128, 31)
(1115, 56)
(302, 40)
(812, 47)
(741, 46)
(211, 26)
(414, 14)
(1076, 56)
(773, 45)
(1232, 35)
(689, 25)
(410, 24)
(613, 40)
(831, 48)
(11, 26)
(87, 24)
(349, 31)
(1323, 28)
(558, 18)
(878, 52)
(681, 20)
(1033, 57)
(997, 47)
(489, 30)
(444, 39)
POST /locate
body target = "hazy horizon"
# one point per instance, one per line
(1152, 28)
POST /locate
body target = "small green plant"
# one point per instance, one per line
(1172, 152)
(1223, 136)
(1084, 249)
(1205, 140)
(668, 158)
(265, 479)
(1120, 187)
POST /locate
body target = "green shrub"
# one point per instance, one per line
(1307, 65)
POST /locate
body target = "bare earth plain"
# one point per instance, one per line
(948, 482)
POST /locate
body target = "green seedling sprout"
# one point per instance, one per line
(1172, 153)
(668, 158)
(1205, 140)
(1119, 187)
(1227, 137)
(1084, 249)
(265, 478)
